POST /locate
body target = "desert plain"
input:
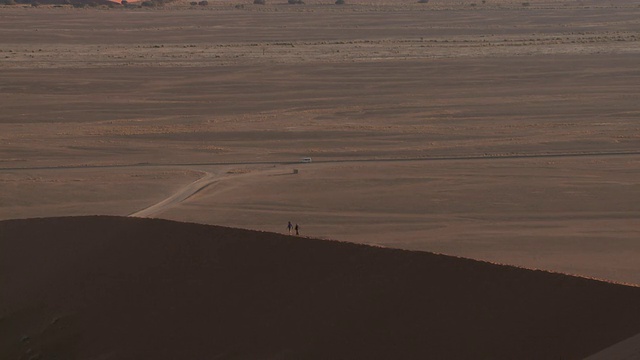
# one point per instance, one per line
(495, 130)
(501, 131)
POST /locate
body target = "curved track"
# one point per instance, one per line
(178, 197)
(191, 189)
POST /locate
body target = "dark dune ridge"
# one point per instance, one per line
(128, 288)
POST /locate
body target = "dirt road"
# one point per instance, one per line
(180, 196)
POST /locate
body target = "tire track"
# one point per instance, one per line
(183, 194)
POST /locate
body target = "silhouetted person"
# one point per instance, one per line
(289, 226)
(297, 228)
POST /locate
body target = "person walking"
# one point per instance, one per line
(297, 228)
(289, 226)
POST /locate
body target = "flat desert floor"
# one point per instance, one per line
(490, 130)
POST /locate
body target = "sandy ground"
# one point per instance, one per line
(564, 214)
(114, 111)
(126, 288)
(625, 350)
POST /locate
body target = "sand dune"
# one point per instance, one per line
(113, 111)
(625, 350)
(128, 288)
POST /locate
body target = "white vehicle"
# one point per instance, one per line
(306, 160)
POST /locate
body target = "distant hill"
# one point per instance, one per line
(62, 2)
(128, 288)
(87, 3)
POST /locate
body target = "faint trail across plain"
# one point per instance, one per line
(190, 190)
(180, 196)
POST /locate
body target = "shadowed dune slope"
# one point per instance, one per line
(126, 288)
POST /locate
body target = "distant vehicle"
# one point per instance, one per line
(306, 160)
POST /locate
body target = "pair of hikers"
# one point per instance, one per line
(291, 227)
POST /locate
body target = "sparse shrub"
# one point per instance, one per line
(339, 2)
(124, 2)
(259, 2)
(7, 2)
(525, 4)
(35, 4)
(239, 6)
(423, 1)
(193, 3)
(148, 4)
(203, 3)
(294, 2)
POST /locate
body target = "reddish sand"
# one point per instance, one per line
(127, 288)
(625, 350)
(121, 111)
